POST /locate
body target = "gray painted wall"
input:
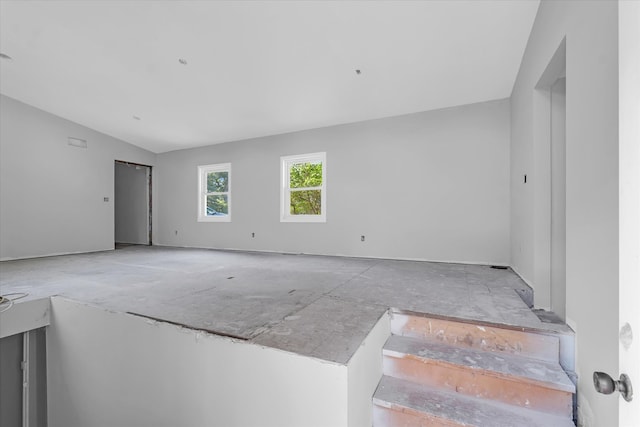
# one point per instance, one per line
(51, 194)
(432, 186)
(591, 31)
(131, 202)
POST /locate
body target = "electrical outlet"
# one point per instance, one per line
(525, 178)
(176, 232)
(253, 235)
(106, 199)
(362, 238)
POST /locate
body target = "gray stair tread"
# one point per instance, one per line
(465, 410)
(544, 373)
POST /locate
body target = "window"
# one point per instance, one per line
(303, 188)
(214, 193)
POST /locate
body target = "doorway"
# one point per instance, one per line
(558, 111)
(549, 150)
(132, 204)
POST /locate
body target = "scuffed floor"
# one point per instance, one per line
(317, 306)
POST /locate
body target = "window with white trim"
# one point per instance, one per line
(214, 193)
(303, 188)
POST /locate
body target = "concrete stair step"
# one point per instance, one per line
(497, 338)
(515, 380)
(398, 402)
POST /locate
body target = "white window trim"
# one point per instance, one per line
(285, 193)
(203, 171)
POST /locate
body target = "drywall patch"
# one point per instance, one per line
(626, 336)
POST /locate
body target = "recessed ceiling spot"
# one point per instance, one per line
(182, 61)
(358, 72)
(5, 56)
(136, 118)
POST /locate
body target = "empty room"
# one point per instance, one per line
(319, 213)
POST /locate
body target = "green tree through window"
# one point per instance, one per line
(303, 195)
(302, 177)
(214, 186)
(217, 204)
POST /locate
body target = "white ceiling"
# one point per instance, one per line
(254, 68)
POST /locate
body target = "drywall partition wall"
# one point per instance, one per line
(115, 369)
(591, 33)
(427, 186)
(131, 202)
(365, 371)
(52, 193)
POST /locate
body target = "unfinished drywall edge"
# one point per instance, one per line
(158, 374)
(24, 316)
(364, 373)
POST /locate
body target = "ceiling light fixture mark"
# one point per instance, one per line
(182, 61)
(136, 118)
(358, 72)
(5, 56)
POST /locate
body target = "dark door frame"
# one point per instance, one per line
(150, 183)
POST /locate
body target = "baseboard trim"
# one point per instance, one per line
(484, 263)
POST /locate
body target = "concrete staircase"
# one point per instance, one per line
(446, 372)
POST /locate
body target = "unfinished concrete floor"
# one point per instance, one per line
(317, 306)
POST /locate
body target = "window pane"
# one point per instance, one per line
(305, 175)
(305, 202)
(217, 182)
(217, 205)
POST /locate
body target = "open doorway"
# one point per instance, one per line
(558, 198)
(132, 204)
(549, 150)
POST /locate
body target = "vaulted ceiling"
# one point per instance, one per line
(166, 75)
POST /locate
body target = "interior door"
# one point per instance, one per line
(629, 152)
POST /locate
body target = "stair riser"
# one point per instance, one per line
(479, 383)
(406, 417)
(541, 347)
